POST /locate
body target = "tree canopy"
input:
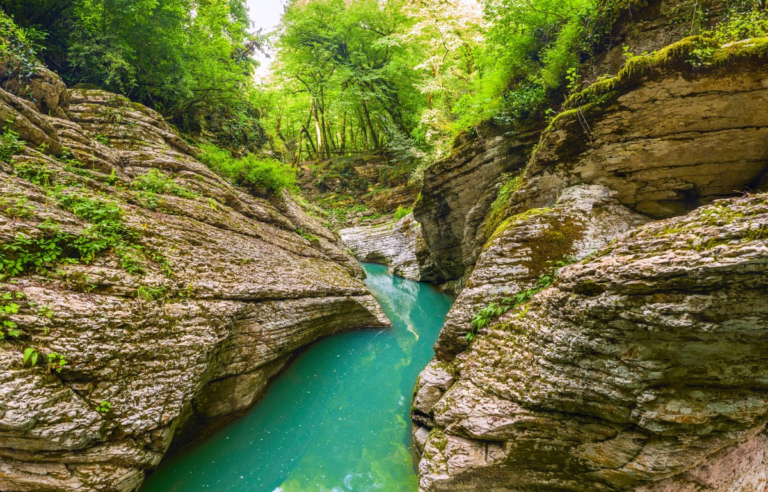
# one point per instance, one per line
(192, 60)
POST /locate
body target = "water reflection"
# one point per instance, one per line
(336, 420)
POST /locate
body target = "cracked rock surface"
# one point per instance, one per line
(643, 366)
(226, 292)
(399, 245)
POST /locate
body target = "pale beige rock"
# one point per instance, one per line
(398, 245)
(241, 292)
(458, 192)
(641, 369)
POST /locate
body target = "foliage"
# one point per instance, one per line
(38, 173)
(9, 307)
(492, 311)
(402, 212)
(498, 211)
(104, 407)
(26, 253)
(18, 51)
(17, 207)
(156, 181)
(10, 145)
(105, 231)
(150, 294)
(738, 25)
(56, 362)
(189, 59)
(30, 357)
(308, 236)
(249, 171)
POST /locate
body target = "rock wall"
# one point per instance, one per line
(398, 245)
(640, 368)
(205, 295)
(458, 192)
(641, 364)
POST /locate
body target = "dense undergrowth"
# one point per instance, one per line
(249, 170)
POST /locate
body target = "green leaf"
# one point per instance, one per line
(28, 354)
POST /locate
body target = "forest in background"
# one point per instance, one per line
(406, 77)
(399, 78)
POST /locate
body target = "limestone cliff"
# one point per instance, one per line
(640, 368)
(153, 296)
(398, 244)
(458, 192)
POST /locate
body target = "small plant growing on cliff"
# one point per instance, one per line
(56, 362)
(17, 207)
(494, 310)
(156, 181)
(30, 357)
(104, 407)
(402, 212)
(149, 294)
(8, 308)
(26, 253)
(37, 173)
(267, 174)
(102, 139)
(10, 145)
(308, 236)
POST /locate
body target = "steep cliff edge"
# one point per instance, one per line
(642, 366)
(458, 192)
(633, 372)
(153, 296)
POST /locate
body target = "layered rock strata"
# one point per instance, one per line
(180, 321)
(640, 369)
(458, 192)
(633, 372)
(398, 245)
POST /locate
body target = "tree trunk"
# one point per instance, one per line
(318, 130)
(370, 126)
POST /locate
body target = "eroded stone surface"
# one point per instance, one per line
(529, 246)
(643, 367)
(458, 192)
(667, 141)
(398, 245)
(227, 292)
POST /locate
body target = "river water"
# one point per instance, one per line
(336, 420)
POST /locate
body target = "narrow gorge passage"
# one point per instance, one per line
(337, 419)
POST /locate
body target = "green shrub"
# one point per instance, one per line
(10, 145)
(249, 171)
(402, 212)
(308, 236)
(156, 181)
(741, 25)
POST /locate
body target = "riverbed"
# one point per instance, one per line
(336, 420)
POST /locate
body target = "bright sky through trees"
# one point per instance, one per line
(265, 15)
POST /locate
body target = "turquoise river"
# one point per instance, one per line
(335, 420)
